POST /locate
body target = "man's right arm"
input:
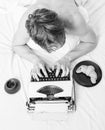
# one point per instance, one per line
(21, 48)
(20, 39)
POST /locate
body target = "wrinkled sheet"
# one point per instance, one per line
(90, 114)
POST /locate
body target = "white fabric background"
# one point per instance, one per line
(90, 114)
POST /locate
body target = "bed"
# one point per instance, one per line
(90, 114)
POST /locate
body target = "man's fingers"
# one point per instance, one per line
(35, 76)
(57, 70)
(48, 68)
(63, 71)
(39, 73)
(44, 70)
(53, 67)
(67, 71)
(32, 72)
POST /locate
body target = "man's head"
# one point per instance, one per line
(46, 29)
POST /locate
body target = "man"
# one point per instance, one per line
(48, 22)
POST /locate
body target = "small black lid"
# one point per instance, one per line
(12, 86)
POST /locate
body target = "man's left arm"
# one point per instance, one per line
(88, 42)
(88, 39)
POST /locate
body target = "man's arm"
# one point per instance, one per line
(21, 37)
(86, 45)
(21, 48)
(88, 39)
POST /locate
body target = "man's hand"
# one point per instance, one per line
(89, 71)
(62, 64)
(39, 64)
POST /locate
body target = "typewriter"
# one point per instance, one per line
(49, 93)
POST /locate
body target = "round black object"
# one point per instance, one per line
(82, 78)
(12, 86)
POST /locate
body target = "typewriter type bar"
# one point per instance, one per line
(52, 77)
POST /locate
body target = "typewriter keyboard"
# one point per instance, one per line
(52, 77)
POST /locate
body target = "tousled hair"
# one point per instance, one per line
(45, 27)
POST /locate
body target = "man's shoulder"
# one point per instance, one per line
(79, 25)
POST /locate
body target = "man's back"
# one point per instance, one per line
(58, 4)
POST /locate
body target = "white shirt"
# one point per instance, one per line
(70, 43)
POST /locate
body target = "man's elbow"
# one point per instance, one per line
(93, 45)
(93, 40)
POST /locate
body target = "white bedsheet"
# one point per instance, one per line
(90, 114)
